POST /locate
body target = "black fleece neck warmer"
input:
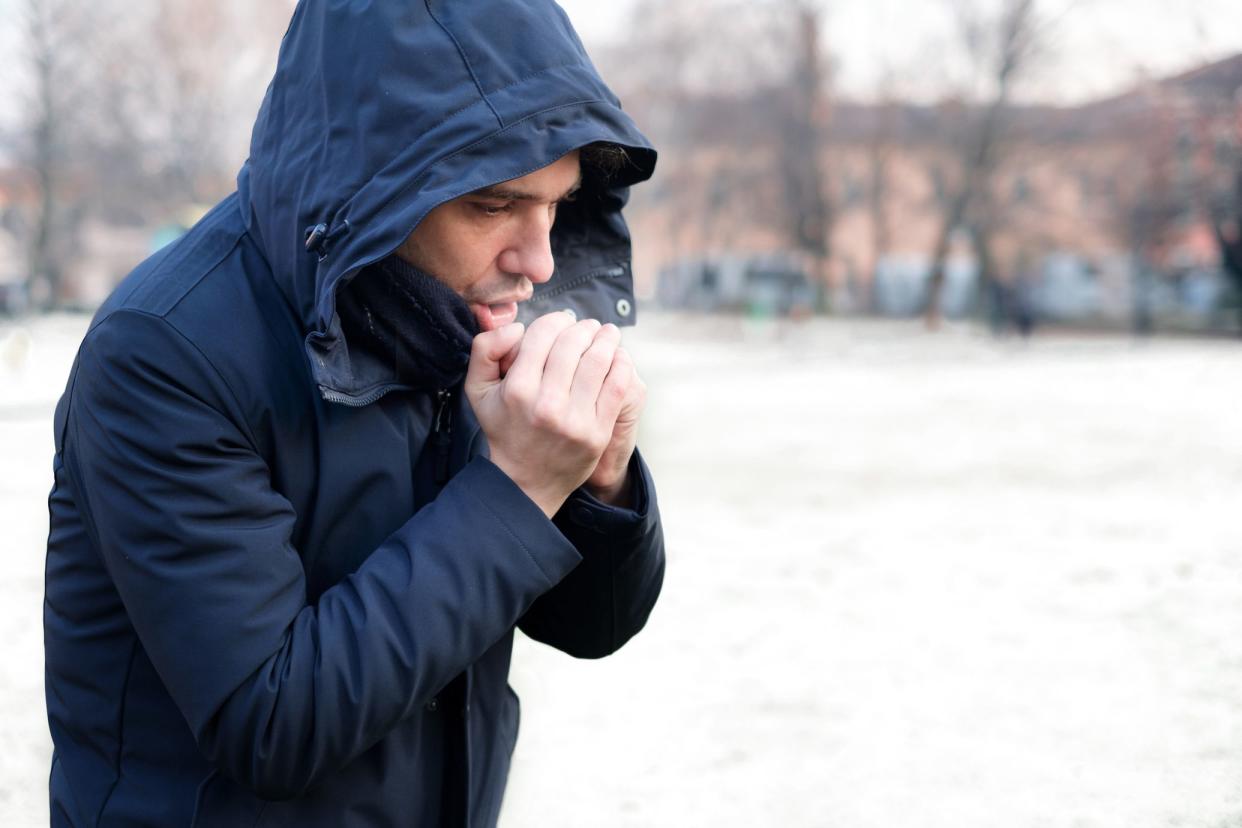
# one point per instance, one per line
(396, 314)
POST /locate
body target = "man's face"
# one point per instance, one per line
(493, 245)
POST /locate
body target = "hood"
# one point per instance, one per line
(380, 110)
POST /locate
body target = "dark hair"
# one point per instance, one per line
(603, 160)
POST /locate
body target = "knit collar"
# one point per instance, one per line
(406, 320)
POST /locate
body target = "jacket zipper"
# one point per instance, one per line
(442, 433)
(357, 402)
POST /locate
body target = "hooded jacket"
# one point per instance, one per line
(282, 575)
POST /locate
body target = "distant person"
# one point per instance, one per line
(1229, 237)
(1023, 304)
(311, 472)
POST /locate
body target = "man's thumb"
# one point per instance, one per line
(489, 351)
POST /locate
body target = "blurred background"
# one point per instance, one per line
(941, 320)
(1069, 162)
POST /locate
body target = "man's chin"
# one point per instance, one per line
(491, 317)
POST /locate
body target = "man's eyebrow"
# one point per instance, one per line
(500, 192)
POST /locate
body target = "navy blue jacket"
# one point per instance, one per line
(282, 580)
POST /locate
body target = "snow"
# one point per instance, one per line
(929, 580)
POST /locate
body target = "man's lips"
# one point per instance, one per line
(495, 315)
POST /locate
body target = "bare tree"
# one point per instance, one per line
(694, 80)
(735, 93)
(1002, 47)
(59, 80)
(1149, 199)
(802, 136)
(134, 112)
(882, 145)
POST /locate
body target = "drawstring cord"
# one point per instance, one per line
(319, 238)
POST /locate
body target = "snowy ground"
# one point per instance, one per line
(913, 581)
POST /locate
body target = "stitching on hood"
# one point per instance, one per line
(466, 61)
(507, 86)
(535, 74)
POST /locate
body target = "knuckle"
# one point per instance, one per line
(517, 394)
(597, 359)
(583, 332)
(546, 414)
(617, 392)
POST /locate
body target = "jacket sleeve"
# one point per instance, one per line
(181, 508)
(606, 600)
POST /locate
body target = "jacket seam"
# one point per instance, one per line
(247, 431)
(534, 74)
(465, 61)
(224, 254)
(485, 99)
(145, 290)
(120, 740)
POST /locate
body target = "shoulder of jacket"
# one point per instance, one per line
(170, 275)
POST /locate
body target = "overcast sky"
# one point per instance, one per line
(1099, 46)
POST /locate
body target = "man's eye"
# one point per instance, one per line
(491, 210)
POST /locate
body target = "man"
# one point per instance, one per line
(283, 573)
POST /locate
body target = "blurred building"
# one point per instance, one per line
(1095, 212)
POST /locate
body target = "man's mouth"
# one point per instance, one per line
(495, 315)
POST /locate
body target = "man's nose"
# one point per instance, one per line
(529, 252)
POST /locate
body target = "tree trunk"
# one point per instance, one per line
(1015, 33)
(809, 214)
(43, 270)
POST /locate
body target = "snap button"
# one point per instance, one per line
(433, 705)
(624, 307)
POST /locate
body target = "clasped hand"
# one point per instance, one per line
(559, 404)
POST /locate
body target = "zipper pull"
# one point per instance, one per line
(442, 431)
